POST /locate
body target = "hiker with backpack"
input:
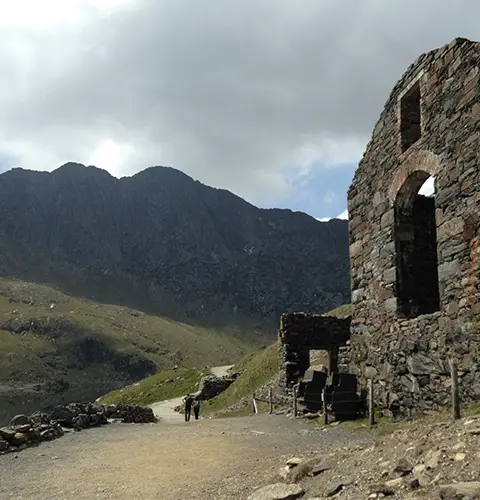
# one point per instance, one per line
(196, 407)
(188, 400)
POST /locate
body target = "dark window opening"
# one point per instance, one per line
(410, 117)
(417, 286)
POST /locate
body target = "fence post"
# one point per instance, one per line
(324, 405)
(295, 408)
(255, 408)
(371, 410)
(455, 399)
(270, 399)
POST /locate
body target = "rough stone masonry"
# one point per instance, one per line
(299, 333)
(415, 259)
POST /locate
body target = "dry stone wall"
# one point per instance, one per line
(415, 261)
(24, 431)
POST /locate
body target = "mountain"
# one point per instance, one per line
(166, 244)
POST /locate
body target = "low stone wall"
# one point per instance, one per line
(24, 431)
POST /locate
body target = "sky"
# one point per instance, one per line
(274, 100)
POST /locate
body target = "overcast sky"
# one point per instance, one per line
(271, 99)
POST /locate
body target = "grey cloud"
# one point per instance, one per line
(224, 90)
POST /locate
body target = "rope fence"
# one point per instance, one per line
(365, 400)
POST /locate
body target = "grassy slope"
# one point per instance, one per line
(256, 370)
(26, 356)
(341, 312)
(164, 385)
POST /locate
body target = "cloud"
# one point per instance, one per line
(232, 93)
(343, 216)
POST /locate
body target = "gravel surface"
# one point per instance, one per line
(205, 459)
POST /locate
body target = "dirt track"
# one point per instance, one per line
(219, 459)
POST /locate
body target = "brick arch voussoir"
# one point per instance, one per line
(421, 160)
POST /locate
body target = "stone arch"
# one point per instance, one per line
(417, 161)
(415, 236)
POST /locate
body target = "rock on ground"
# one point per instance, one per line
(278, 491)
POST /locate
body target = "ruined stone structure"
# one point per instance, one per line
(415, 260)
(300, 333)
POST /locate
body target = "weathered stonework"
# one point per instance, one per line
(300, 333)
(415, 260)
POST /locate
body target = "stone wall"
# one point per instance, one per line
(299, 333)
(413, 309)
(24, 431)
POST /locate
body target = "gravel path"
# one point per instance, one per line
(164, 410)
(220, 371)
(206, 460)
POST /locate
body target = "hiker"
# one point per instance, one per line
(188, 407)
(196, 407)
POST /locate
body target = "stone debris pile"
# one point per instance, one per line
(24, 431)
(432, 458)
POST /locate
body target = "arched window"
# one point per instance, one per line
(416, 247)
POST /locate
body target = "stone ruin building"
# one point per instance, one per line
(415, 259)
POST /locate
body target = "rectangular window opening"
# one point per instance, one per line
(410, 117)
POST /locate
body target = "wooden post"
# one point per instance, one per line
(270, 399)
(371, 410)
(455, 399)
(255, 408)
(324, 404)
(295, 408)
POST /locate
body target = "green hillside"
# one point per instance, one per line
(159, 387)
(55, 346)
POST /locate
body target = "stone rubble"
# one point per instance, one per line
(24, 431)
(433, 458)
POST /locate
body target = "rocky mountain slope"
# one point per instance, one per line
(163, 243)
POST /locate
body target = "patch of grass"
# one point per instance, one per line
(341, 312)
(257, 369)
(164, 385)
(382, 427)
(474, 409)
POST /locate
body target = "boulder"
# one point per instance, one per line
(18, 420)
(19, 438)
(3, 445)
(402, 468)
(278, 491)
(7, 434)
(211, 385)
(460, 490)
(63, 415)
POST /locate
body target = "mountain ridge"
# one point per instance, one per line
(165, 243)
